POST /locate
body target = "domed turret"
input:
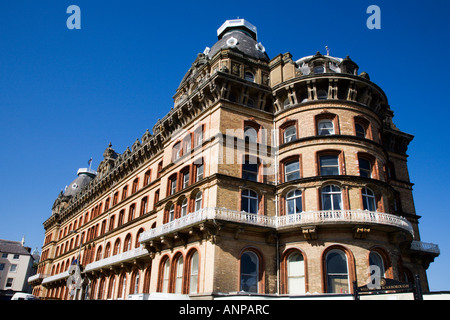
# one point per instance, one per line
(240, 35)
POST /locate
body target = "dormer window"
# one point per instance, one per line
(319, 69)
(249, 76)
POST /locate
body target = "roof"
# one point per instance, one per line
(15, 247)
(240, 41)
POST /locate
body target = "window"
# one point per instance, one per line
(147, 175)
(173, 185)
(199, 174)
(322, 95)
(127, 243)
(375, 259)
(176, 151)
(369, 202)
(294, 202)
(187, 143)
(13, 268)
(325, 127)
(193, 276)
(319, 69)
(165, 276)
(365, 168)
(185, 179)
(134, 187)
(286, 103)
(179, 275)
(360, 130)
(290, 134)
(172, 213)
(16, 257)
(295, 274)
(249, 201)
(249, 272)
(337, 272)
(135, 288)
(144, 202)
(124, 192)
(9, 282)
(250, 134)
(291, 171)
(198, 136)
(250, 169)
(184, 207)
(249, 76)
(198, 201)
(331, 198)
(329, 165)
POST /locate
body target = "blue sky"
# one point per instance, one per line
(65, 94)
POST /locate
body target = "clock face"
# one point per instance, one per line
(74, 186)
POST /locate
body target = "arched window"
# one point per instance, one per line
(249, 276)
(108, 250)
(331, 198)
(369, 202)
(172, 212)
(375, 259)
(112, 282)
(250, 134)
(249, 76)
(295, 273)
(122, 285)
(249, 201)
(135, 282)
(165, 276)
(325, 127)
(294, 202)
(116, 247)
(198, 201)
(127, 243)
(138, 234)
(179, 275)
(193, 273)
(337, 272)
(184, 207)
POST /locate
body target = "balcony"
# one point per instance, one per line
(57, 277)
(304, 219)
(425, 247)
(36, 278)
(129, 256)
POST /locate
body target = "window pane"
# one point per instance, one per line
(249, 272)
(250, 170)
(325, 127)
(292, 171)
(194, 274)
(250, 134)
(290, 134)
(296, 274)
(337, 272)
(360, 131)
(364, 168)
(329, 165)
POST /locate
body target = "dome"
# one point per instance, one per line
(85, 176)
(239, 35)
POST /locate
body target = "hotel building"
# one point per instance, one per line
(268, 176)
